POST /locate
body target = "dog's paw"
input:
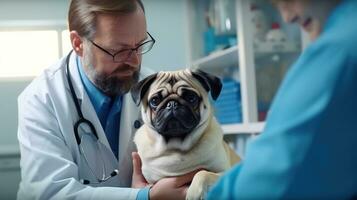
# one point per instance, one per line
(200, 185)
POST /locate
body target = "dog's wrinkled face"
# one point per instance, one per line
(176, 103)
(174, 106)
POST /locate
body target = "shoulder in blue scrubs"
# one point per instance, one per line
(308, 148)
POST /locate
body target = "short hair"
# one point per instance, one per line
(277, 1)
(82, 13)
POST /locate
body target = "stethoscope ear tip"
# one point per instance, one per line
(115, 172)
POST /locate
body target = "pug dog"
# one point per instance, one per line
(180, 133)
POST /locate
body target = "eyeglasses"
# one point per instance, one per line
(124, 54)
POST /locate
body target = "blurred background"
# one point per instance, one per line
(242, 41)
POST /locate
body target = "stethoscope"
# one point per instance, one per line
(83, 121)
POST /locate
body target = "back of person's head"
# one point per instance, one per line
(82, 13)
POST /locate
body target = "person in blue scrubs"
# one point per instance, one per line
(308, 147)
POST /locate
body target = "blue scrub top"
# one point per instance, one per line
(308, 148)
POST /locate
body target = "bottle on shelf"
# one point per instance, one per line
(275, 34)
(259, 22)
(221, 31)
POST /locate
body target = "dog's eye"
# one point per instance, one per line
(155, 101)
(191, 97)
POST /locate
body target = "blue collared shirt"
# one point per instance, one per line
(108, 109)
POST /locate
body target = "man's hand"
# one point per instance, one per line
(138, 179)
(167, 188)
(172, 188)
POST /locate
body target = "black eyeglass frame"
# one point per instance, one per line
(131, 49)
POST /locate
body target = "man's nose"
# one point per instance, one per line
(134, 59)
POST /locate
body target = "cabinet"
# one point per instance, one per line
(258, 64)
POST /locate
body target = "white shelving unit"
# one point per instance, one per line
(218, 60)
(268, 48)
(247, 128)
(244, 57)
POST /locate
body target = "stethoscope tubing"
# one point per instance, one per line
(83, 120)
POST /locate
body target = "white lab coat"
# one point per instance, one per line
(51, 165)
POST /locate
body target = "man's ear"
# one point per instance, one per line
(77, 42)
(139, 90)
(209, 82)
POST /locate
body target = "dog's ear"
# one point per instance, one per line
(139, 90)
(209, 82)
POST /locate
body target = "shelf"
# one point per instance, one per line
(9, 150)
(249, 128)
(219, 60)
(266, 48)
(9, 157)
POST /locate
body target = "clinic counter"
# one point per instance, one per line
(9, 157)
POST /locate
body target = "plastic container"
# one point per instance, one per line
(275, 34)
(222, 14)
(259, 22)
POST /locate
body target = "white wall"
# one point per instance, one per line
(166, 22)
(33, 9)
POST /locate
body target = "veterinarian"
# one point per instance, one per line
(76, 120)
(308, 147)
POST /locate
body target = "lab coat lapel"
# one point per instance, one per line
(129, 114)
(86, 105)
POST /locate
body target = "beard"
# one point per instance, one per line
(112, 86)
(109, 85)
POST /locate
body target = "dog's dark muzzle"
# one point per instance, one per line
(175, 120)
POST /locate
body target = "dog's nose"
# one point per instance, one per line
(171, 105)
